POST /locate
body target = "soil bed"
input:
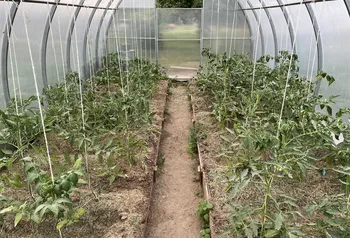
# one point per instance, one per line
(312, 188)
(122, 208)
(175, 201)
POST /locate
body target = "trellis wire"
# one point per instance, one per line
(53, 44)
(226, 40)
(38, 95)
(11, 41)
(235, 23)
(81, 102)
(314, 56)
(256, 50)
(118, 52)
(233, 32)
(217, 27)
(244, 30)
(211, 23)
(289, 69)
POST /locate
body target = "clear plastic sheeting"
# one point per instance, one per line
(78, 37)
(265, 27)
(284, 41)
(21, 77)
(179, 36)
(132, 30)
(225, 27)
(56, 48)
(306, 42)
(77, 46)
(333, 19)
(4, 14)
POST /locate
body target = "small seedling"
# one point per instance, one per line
(204, 208)
(192, 142)
(199, 193)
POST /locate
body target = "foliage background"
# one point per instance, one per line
(179, 3)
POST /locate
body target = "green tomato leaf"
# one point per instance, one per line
(111, 179)
(80, 212)
(271, 233)
(329, 111)
(330, 79)
(7, 210)
(278, 221)
(61, 224)
(77, 164)
(18, 218)
(7, 152)
(206, 217)
(54, 208)
(32, 176)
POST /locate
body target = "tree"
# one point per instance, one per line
(179, 3)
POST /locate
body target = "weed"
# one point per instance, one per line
(192, 142)
(203, 211)
(199, 193)
(190, 102)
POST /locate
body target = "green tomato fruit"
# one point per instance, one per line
(73, 177)
(66, 185)
(57, 190)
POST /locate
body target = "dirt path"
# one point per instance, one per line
(175, 203)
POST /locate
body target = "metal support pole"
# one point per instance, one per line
(273, 28)
(110, 20)
(85, 60)
(347, 4)
(318, 38)
(260, 29)
(44, 43)
(70, 32)
(99, 33)
(289, 24)
(156, 24)
(250, 29)
(5, 50)
(202, 37)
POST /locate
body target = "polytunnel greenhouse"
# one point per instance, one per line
(120, 118)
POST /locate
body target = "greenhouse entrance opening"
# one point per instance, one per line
(179, 41)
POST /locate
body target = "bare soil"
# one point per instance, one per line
(175, 202)
(121, 209)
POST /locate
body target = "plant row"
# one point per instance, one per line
(277, 128)
(97, 118)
